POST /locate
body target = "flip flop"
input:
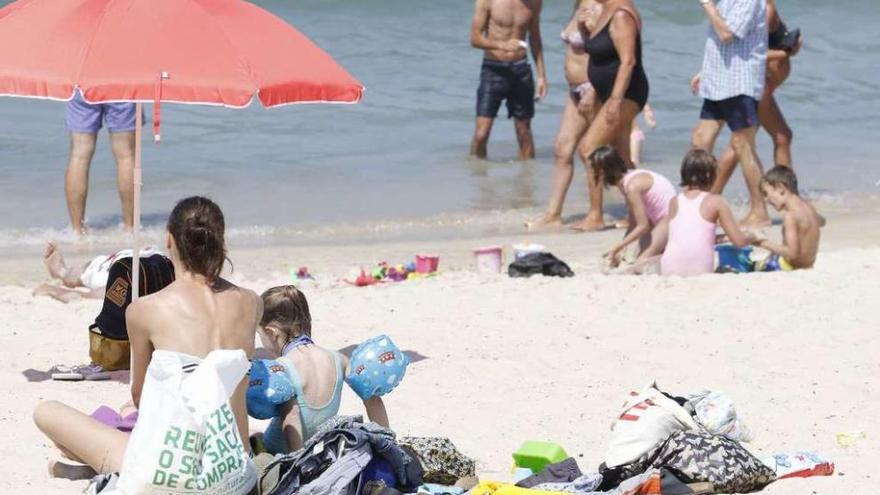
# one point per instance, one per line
(63, 373)
(91, 372)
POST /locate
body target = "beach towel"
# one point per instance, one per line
(799, 465)
(186, 439)
(110, 417)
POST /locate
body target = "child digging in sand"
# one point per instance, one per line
(686, 236)
(647, 197)
(317, 374)
(800, 224)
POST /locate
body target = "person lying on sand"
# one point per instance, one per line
(196, 314)
(317, 374)
(801, 224)
(79, 282)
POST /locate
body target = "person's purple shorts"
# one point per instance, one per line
(83, 117)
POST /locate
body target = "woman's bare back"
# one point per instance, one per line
(193, 318)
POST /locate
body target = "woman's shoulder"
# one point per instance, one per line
(246, 298)
(625, 16)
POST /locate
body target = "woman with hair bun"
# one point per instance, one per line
(198, 313)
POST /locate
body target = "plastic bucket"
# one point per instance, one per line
(520, 250)
(427, 263)
(488, 259)
(734, 258)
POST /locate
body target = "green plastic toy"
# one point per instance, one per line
(536, 455)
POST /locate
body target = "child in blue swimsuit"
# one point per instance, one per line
(316, 373)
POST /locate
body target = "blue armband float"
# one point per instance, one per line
(377, 367)
(269, 388)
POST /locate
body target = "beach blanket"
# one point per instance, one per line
(799, 465)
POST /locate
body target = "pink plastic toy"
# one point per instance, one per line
(427, 263)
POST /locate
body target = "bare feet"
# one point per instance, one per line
(58, 469)
(755, 221)
(544, 223)
(55, 262)
(622, 224)
(589, 224)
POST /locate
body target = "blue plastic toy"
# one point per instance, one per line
(268, 388)
(376, 476)
(377, 366)
(734, 259)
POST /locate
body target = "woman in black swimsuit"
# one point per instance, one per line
(779, 53)
(616, 73)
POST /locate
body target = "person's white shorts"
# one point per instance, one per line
(96, 273)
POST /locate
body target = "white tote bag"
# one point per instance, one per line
(186, 440)
(647, 418)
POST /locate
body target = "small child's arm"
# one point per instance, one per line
(639, 228)
(648, 115)
(376, 411)
(725, 217)
(790, 238)
(374, 406)
(292, 426)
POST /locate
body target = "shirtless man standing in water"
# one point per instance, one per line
(500, 28)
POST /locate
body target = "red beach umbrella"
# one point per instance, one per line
(210, 52)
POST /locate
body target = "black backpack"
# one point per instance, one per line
(108, 336)
(539, 264)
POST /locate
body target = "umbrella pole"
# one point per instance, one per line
(138, 182)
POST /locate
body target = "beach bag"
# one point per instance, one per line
(440, 461)
(646, 419)
(539, 264)
(186, 440)
(701, 457)
(108, 336)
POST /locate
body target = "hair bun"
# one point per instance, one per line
(197, 226)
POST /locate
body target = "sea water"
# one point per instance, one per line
(396, 164)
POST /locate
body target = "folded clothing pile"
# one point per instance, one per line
(350, 457)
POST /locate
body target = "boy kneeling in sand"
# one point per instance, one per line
(800, 224)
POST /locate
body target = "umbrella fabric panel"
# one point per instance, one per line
(213, 51)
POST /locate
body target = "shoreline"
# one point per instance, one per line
(508, 360)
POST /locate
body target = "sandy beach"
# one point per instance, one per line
(508, 360)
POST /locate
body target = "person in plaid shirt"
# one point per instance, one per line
(731, 82)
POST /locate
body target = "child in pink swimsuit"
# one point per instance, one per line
(692, 219)
(647, 197)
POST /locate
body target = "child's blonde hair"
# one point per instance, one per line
(286, 308)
